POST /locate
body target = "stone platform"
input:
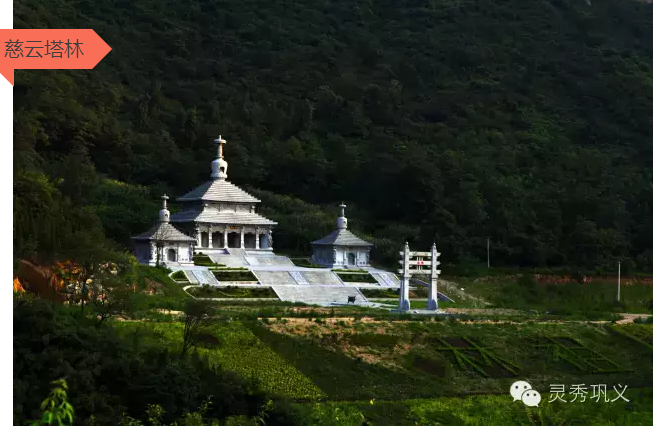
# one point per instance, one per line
(322, 295)
(274, 277)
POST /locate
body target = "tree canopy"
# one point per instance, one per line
(526, 122)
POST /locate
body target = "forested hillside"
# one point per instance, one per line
(526, 121)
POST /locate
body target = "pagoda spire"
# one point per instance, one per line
(342, 220)
(219, 165)
(164, 214)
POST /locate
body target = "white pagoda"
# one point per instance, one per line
(164, 244)
(221, 217)
(341, 248)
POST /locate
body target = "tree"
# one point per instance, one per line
(56, 408)
(110, 292)
(197, 317)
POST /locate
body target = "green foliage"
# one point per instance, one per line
(356, 277)
(205, 261)
(159, 276)
(179, 276)
(380, 293)
(484, 410)
(560, 298)
(415, 292)
(305, 262)
(197, 317)
(508, 134)
(110, 374)
(56, 408)
(242, 352)
(209, 291)
(234, 276)
(367, 339)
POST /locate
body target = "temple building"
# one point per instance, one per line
(164, 244)
(220, 216)
(341, 248)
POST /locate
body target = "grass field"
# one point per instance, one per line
(367, 366)
(361, 360)
(485, 410)
(209, 291)
(525, 294)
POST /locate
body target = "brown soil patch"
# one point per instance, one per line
(485, 311)
(171, 312)
(332, 336)
(630, 318)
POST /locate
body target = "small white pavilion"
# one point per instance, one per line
(164, 244)
(341, 248)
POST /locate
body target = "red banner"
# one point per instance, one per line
(50, 50)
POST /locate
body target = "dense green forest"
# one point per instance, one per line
(528, 122)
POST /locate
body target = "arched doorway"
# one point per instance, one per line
(250, 240)
(264, 241)
(205, 239)
(351, 258)
(172, 255)
(233, 239)
(217, 240)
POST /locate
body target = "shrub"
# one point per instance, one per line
(203, 260)
(209, 291)
(110, 374)
(304, 262)
(356, 277)
(234, 275)
(179, 276)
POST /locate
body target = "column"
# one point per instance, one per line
(198, 234)
(432, 302)
(242, 237)
(270, 239)
(258, 245)
(404, 301)
(210, 236)
(224, 238)
(152, 252)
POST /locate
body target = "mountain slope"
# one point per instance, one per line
(525, 121)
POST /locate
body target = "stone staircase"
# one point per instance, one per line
(313, 294)
(201, 277)
(387, 279)
(191, 277)
(237, 252)
(268, 260)
(230, 260)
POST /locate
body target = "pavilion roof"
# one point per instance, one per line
(217, 217)
(341, 237)
(164, 231)
(218, 190)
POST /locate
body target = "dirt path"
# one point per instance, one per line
(300, 321)
(630, 317)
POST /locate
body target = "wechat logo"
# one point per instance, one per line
(521, 390)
